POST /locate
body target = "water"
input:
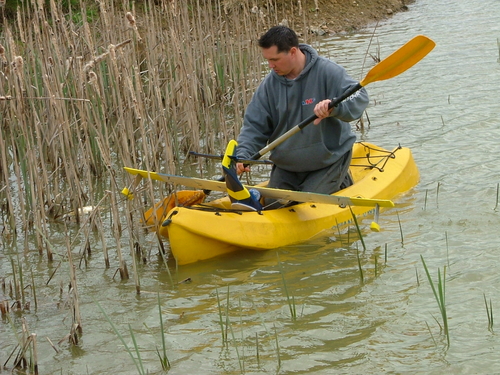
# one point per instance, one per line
(446, 109)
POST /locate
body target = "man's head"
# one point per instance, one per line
(282, 37)
(280, 47)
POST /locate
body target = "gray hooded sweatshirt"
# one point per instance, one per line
(279, 104)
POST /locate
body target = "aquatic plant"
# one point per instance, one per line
(136, 360)
(221, 322)
(497, 196)
(489, 313)
(360, 268)
(165, 363)
(290, 300)
(357, 228)
(440, 296)
(425, 199)
(277, 349)
(87, 94)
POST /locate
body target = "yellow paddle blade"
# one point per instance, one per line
(401, 60)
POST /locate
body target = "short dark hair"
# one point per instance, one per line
(280, 36)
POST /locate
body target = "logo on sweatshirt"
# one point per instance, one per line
(308, 101)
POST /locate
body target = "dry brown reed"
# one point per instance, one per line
(27, 354)
(82, 97)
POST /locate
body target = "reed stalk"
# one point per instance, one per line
(52, 345)
(430, 332)
(277, 349)
(489, 313)
(497, 196)
(26, 344)
(134, 266)
(440, 296)
(21, 283)
(35, 354)
(437, 194)
(338, 231)
(221, 322)
(4, 308)
(115, 217)
(257, 351)
(357, 228)
(17, 289)
(165, 363)
(400, 230)
(498, 45)
(136, 348)
(228, 322)
(236, 348)
(360, 268)
(137, 361)
(290, 300)
(76, 327)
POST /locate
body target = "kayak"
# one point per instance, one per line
(199, 230)
(203, 230)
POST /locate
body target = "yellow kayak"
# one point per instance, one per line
(203, 231)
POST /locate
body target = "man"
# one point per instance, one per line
(301, 83)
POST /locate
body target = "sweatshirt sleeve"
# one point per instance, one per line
(257, 125)
(351, 108)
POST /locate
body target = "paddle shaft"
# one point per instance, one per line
(396, 63)
(334, 102)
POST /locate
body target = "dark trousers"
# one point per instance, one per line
(326, 180)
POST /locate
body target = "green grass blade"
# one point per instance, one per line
(121, 339)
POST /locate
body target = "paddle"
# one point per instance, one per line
(241, 198)
(396, 63)
(393, 65)
(291, 195)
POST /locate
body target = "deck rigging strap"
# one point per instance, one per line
(372, 164)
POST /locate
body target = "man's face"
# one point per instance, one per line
(282, 62)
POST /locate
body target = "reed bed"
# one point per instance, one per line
(87, 90)
(89, 87)
(84, 94)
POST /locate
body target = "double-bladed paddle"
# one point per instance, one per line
(396, 63)
(393, 65)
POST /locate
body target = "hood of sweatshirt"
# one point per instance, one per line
(311, 58)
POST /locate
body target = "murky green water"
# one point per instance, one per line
(446, 109)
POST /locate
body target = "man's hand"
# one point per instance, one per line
(240, 168)
(321, 110)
